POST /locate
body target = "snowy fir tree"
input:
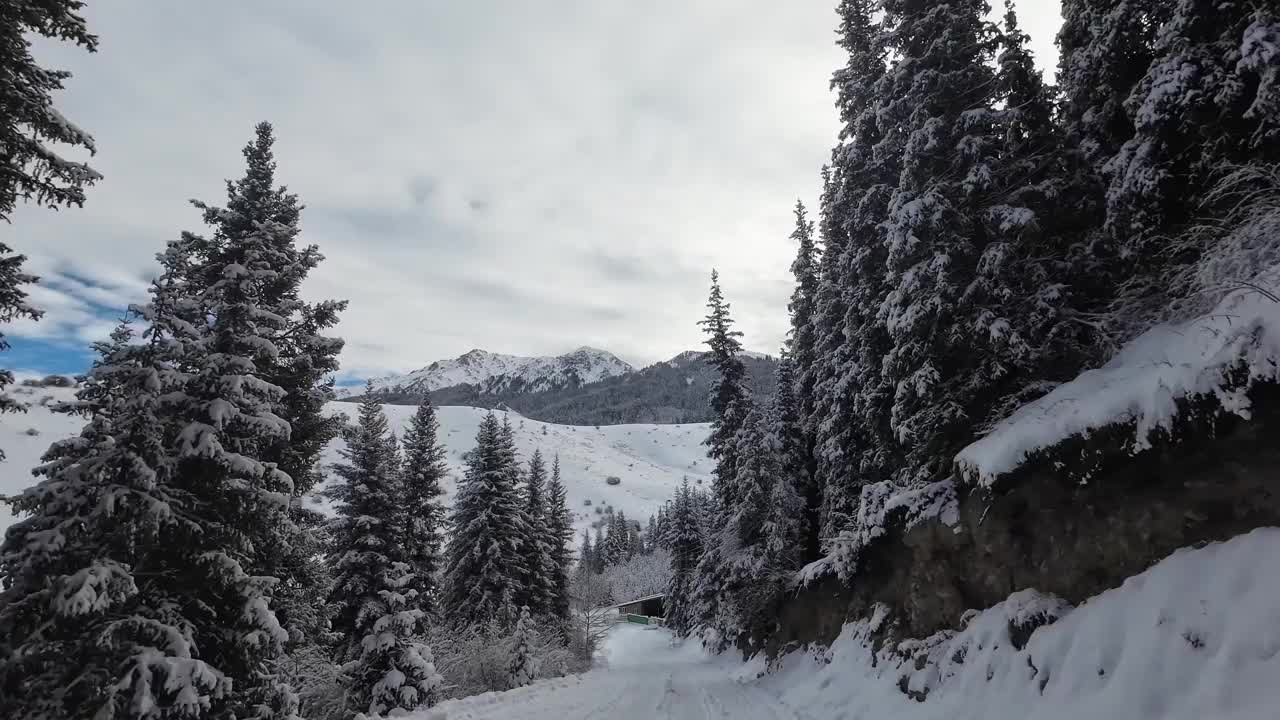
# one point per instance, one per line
(366, 536)
(521, 669)
(538, 583)
(13, 305)
(390, 671)
(796, 381)
(483, 559)
(685, 539)
(32, 170)
(263, 219)
(128, 593)
(559, 524)
(422, 512)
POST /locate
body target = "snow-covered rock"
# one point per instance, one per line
(1143, 383)
(495, 372)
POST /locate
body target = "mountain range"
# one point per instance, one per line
(585, 387)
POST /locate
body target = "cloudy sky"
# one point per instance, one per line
(517, 176)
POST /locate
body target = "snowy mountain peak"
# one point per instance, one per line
(495, 372)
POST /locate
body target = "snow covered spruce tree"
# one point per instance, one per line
(798, 377)
(422, 513)
(538, 583)
(30, 169)
(1207, 107)
(684, 536)
(128, 589)
(851, 397)
(521, 670)
(391, 671)
(483, 561)
(259, 214)
(730, 404)
(366, 535)
(28, 120)
(559, 525)
(378, 613)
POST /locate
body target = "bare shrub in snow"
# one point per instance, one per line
(1239, 250)
(641, 576)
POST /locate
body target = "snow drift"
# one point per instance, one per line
(1196, 636)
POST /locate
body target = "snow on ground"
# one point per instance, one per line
(22, 447)
(1197, 636)
(650, 460)
(644, 676)
(1143, 383)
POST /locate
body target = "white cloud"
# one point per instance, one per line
(523, 177)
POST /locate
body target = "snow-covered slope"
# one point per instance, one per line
(1195, 637)
(25, 436)
(649, 460)
(495, 372)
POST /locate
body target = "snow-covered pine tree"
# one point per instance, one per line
(126, 590)
(729, 397)
(366, 534)
(390, 671)
(685, 538)
(1034, 279)
(731, 405)
(483, 562)
(520, 671)
(586, 554)
(31, 169)
(538, 584)
(559, 524)
(851, 398)
(13, 305)
(1207, 106)
(800, 355)
(939, 90)
(423, 514)
(258, 214)
(789, 519)
(1104, 48)
(600, 550)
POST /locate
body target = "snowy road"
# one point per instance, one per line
(646, 678)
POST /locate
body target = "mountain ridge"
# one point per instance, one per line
(665, 392)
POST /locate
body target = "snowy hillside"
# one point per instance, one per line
(495, 372)
(25, 436)
(648, 459)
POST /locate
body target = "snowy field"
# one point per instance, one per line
(1195, 637)
(649, 460)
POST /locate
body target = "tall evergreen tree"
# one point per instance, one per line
(1206, 106)
(559, 525)
(263, 219)
(391, 671)
(29, 122)
(128, 592)
(685, 537)
(367, 542)
(797, 379)
(29, 167)
(539, 579)
(729, 398)
(423, 514)
(483, 557)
